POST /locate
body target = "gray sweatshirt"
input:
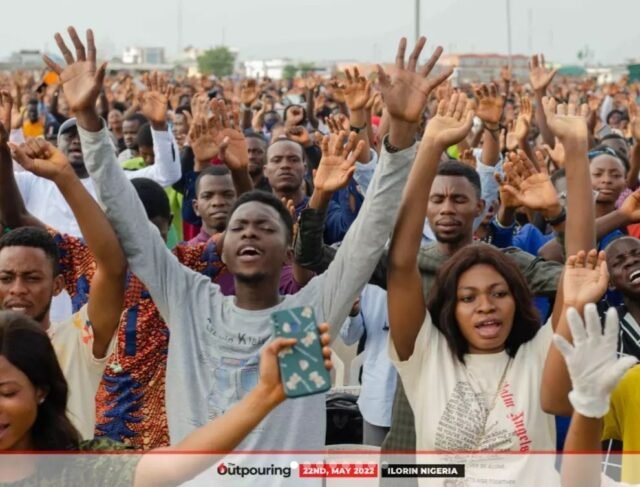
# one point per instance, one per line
(215, 345)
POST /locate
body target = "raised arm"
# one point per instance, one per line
(357, 91)
(595, 370)
(13, 212)
(490, 106)
(406, 95)
(407, 307)
(571, 129)
(154, 103)
(106, 296)
(224, 433)
(148, 257)
(540, 78)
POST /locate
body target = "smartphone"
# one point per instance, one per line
(302, 369)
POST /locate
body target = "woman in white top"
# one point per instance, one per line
(471, 358)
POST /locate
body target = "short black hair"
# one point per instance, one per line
(36, 238)
(623, 115)
(217, 170)
(144, 137)
(457, 168)
(183, 108)
(251, 134)
(266, 199)
(153, 197)
(136, 117)
(118, 105)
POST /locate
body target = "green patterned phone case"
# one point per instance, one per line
(302, 367)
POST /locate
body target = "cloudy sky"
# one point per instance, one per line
(316, 30)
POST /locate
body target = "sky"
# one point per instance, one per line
(343, 30)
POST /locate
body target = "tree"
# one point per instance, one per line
(218, 61)
(304, 68)
(289, 71)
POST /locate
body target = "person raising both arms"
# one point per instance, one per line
(228, 332)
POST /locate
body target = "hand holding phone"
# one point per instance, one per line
(302, 366)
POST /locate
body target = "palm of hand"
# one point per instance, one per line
(405, 96)
(205, 147)
(522, 128)
(446, 131)
(154, 106)
(490, 109)
(79, 85)
(583, 285)
(332, 173)
(537, 192)
(631, 207)
(248, 95)
(564, 126)
(356, 96)
(540, 78)
(235, 156)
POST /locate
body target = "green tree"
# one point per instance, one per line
(218, 61)
(304, 68)
(289, 71)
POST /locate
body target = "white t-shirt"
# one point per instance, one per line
(452, 404)
(73, 343)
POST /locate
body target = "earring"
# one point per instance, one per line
(40, 401)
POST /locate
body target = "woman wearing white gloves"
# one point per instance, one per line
(595, 370)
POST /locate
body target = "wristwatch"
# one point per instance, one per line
(562, 216)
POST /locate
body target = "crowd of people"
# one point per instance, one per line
(479, 242)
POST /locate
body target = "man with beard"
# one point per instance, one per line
(30, 276)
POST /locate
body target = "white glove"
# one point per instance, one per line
(592, 360)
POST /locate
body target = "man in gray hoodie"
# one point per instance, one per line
(216, 340)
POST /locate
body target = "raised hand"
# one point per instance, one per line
(585, 278)
(291, 208)
(510, 138)
(566, 123)
(338, 162)
(631, 207)
(592, 360)
(234, 151)
(406, 92)
(154, 102)
(490, 104)
(634, 121)
(300, 135)
(556, 154)
(295, 115)
(336, 91)
(81, 80)
(452, 122)
(528, 187)
(357, 90)
(249, 91)
(467, 157)
(337, 123)
(539, 75)
(42, 159)
(523, 122)
(202, 137)
(269, 382)
(6, 107)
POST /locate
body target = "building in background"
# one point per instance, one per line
(143, 55)
(483, 68)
